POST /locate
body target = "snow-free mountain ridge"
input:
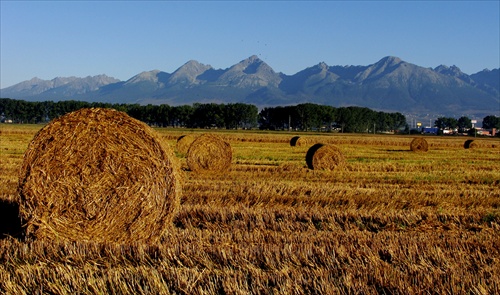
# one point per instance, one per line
(390, 84)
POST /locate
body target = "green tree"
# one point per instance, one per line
(208, 115)
(446, 122)
(440, 122)
(328, 116)
(398, 120)
(309, 116)
(240, 115)
(491, 121)
(464, 123)
(182, 115)
(452, 123)
(279, 117)
(355, 119)
(163, 115)
(249, 116)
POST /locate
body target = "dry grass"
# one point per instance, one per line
(419, 144)
(299, 141)
(184, 142)
(209, 153)
(390, 222)
(325, 157)
(98, 175)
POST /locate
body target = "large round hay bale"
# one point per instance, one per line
(298, 141)
(470, 144)
(419, 144)
(325, 157)
(184, 142)
(209, 152)
(98, 175)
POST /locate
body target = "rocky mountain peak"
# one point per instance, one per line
(452, 71)
(382, 67)
(35, 80)
(390, 60)
(455, 72)
(151, 76)
(193, 66)
(323, 66)
(188, 73)
(253, 62)
(250, 72)
(252, 59)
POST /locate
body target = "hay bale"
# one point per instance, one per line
(298, 141)
(184, 142)
(325, 157)
(209, 152)
(98, 175)
(419, 144)
(470, 144)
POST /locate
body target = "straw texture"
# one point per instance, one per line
(470, 144)
(98, 174)
(419, 144)
(298, 141)
(184, 142)
(209, 153)
(325, 157)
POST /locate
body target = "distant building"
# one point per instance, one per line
(487, 132)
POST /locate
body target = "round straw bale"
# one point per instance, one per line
(98, 175)
(324, 157)
(184, 142)
(419, 144)
(209, 152)
(298, 141)
(470, 144)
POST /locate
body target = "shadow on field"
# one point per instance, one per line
(10, 222)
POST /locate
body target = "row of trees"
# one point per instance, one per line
(463, 124)
(306, 116)
(237, 115)
(319, 117)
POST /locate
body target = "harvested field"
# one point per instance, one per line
(391, 222)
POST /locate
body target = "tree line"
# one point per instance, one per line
(307, 116)
(236, 115)
(463, 124)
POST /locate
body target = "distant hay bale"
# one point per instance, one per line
(419, 144)
(470, 144)
(184, 142)
(98, 175)
(325, 157)
(298, 141)
(209, 152)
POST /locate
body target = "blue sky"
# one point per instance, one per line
(48, 39)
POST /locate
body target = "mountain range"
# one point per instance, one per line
(390, 84)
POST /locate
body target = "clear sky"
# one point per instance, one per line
(48, 39)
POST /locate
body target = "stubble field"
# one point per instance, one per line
(392, 222)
